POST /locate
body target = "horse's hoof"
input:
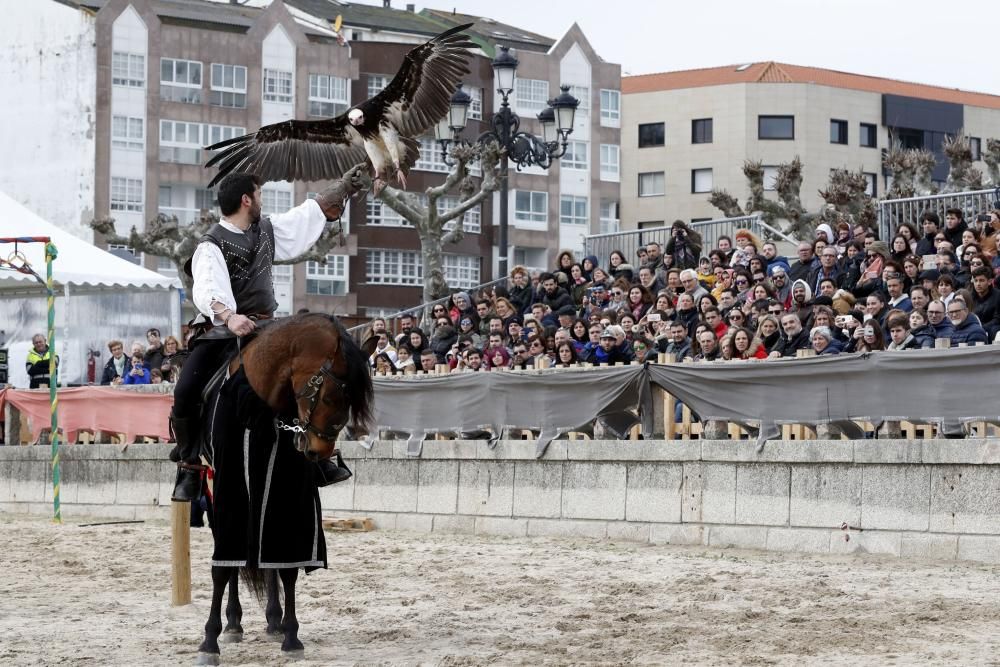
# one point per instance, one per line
(297, 654)
(274, 636)
(207, 658)
(231, 637)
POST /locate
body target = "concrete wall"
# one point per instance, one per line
(934, 499)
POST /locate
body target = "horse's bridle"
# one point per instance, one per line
(311, 393)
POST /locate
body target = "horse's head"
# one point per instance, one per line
(333, 390)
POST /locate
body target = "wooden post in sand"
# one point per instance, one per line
(180, 553)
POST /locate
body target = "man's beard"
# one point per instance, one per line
(255, 214)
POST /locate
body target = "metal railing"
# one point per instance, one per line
(629, 241)
(893, 212)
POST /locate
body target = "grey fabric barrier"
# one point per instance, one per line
(916, 385)
(555, 401)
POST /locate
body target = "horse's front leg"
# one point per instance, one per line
(289, 622)
(234, 611)
(208, 652)
(273, 610)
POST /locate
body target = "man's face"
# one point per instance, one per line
(678, 334)
(255, 204)
(935, 313)
(473, 360)
(566, 320)
(827, 288)
(153, 338)
(895, 287)
(707, 342)
(769, 251)
(799, 294)
(607, 343)
(956, 312)
(117, 352)
(898, 334)
(652, 251)
(538, 312)
(38, 343)
(791, 325)
(521, 352)
(981, 284)
(819, 342)
(405, 323)
(919, 298)
(868, 242)
(595, 335)
(689, 282)
(427, 362)
(562, 336)
(496, 341)
(951, 221)
(685, 302)
(805, 252)
(645, 277)
(727, 300)
(779, 278)
(482, 309)
(929, 227)
(515, 330)
(713, 319)
(496, 326)
(942, 262)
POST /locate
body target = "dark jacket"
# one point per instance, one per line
(834, 347)
(109, 370)
(521, 298)
(955, 235)
(837, 275)
(788, 347)
(679, 350)
(924, 336)
(801, 271)
(970, 331)
(558, 300)
(616, 354)
(925, 246)
(943, 330)
(987, 307)
(153, 358)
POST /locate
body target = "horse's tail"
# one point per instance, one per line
(254, 579)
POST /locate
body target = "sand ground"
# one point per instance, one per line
(72, 595)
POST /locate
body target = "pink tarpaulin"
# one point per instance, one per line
(95, 409)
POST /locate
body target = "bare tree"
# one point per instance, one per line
(991, 156)
(788, 208)
(165, 237)
(437, 228)
(847, 199)
(962, 175)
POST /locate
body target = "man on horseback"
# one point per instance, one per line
(233, 289)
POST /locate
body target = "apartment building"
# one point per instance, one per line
(168, 77)
(688, 132)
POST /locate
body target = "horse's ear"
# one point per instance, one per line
(368, 347)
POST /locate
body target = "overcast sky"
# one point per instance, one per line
(951, 44)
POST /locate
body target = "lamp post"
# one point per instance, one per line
(522, 148)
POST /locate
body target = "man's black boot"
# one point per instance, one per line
(186, 452)
(329, 472)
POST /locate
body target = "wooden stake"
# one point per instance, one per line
(180, 553)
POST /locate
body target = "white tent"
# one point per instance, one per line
(99, 297)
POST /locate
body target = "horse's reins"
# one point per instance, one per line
(311, 393)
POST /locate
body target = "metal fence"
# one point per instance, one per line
(628, 242)
(893, 212)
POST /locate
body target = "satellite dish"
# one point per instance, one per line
(337, 22)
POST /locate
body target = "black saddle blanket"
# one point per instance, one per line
(266, 504)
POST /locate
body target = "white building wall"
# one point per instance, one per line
(575, 70)
(48, 73)
(130, 35)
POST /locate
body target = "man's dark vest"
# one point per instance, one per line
(248, 257)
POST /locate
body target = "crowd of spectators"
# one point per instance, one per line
(847, 291)
(154, 362)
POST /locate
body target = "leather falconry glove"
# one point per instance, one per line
(331, 200)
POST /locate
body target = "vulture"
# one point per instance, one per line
(381, 129)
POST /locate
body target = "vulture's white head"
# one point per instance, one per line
(356, 116)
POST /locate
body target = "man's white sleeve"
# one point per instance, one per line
(211, 280)
(298, 229)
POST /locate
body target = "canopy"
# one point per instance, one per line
(78, 263)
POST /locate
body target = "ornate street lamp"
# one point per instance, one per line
(523, 148)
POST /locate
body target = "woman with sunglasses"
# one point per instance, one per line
(742, 283)
(619, 296)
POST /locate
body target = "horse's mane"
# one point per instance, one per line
(361, 394)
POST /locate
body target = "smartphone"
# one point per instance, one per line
(983, 217)
(654, 317)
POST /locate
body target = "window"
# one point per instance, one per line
(126, 194)
(476, 107)
(531, 94)
(275, 200)
(573, 210)
(775, 127)
(328, 279)
(576, 155)
(651, 184)
(430, 156)
(701, 180)
(611, 107)
(472, 221)
(376, 82)
(379, 213)
(277, 86)
(770, 177)
(229, 86)
(976, 145)
(461, 271)
(206, 199)
(213, 134)
(651, 134)
(581, 93)
(393, 267)
(180, 80)
(180, 142)
(609, 216)
(128, 69)
(838, 131)
(868, 135)
(127, 133)
(871, 189)
(610, 162)
(328, 95)
(701, 131)
(531, 206)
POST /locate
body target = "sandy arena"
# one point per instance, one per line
(72, 595)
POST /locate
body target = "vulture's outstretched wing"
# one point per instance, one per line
(305, 150)
(420, 93)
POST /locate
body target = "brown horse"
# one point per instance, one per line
(295, 386)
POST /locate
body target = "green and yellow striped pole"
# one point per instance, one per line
(50, 254)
